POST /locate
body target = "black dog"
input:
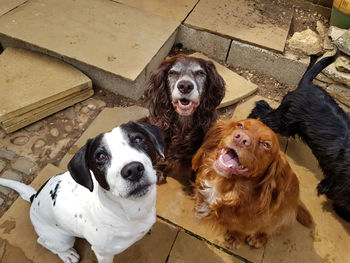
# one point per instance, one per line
(312, 113)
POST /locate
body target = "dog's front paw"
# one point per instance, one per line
(69, 256)
(257, 240)
(234, 240)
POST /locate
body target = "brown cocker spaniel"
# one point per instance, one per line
(244, 183)
(182, 97)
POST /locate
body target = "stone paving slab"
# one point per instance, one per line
(237, 87)
(9, 174)
(188, 249)
(7, 5)
(42, 112)
(175, 205)
(29, 80)
(18, 238)
(175, 10)
(239, 19)
(105, 121)
(329, 241)
(112, 38)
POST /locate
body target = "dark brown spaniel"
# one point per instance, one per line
(182, 97)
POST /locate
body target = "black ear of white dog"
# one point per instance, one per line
(155, 138)
(79, 169)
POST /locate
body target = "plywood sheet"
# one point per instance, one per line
(29, 80)
(175, 10)
(110, 36)
(259, 22)
(237, 87)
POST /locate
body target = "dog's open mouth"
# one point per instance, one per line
(139, 190)
(228, 162)
(185, 107)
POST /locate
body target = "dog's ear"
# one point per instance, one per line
(156, 96)
(216, 85)
(211, 141)
(79, 167)
(156, 136)
(279, 180)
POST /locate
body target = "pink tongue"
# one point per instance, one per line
(228, 159)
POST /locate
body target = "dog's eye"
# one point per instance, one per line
(200, 73)
(240, 125)
(137, 139)
(101, 157)
(266, 145)
(173, 73)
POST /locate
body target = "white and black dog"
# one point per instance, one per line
(108, 196)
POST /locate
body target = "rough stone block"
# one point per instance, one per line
(286, 68)
(343, 42)
(1, 201)
(12, 175)
(207, 43)
(23, 165)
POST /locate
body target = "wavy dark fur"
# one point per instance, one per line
(183, 135)
(312, 113)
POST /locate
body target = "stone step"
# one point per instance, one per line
(115, 45)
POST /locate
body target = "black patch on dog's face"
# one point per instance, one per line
(144, 137)
(99, 160)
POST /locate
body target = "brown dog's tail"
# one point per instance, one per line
(304, 217)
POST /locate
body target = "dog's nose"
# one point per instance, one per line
(185, 86)
(242, 139)
(133, 171)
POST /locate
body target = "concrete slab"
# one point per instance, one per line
(175, 205)
(18, 238)
(208, 43)
(188, 249)
(239, 19)
(237, 87)
(25, 119)
(244, 108)
(105, 121)
(175, 10)
(29, 80)
(329, 242)
(287, 68)
(98, 40)
(7, 5)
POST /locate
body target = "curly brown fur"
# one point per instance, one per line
(183, 134)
